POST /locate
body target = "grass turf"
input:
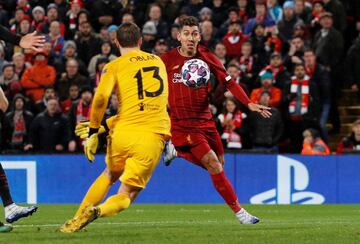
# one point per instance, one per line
(195, 223)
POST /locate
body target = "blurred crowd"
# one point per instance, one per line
(294, 56)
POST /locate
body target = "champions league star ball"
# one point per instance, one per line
(195, 73)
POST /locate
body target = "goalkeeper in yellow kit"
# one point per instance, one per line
(136, 134)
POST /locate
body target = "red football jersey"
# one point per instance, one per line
(186, 103)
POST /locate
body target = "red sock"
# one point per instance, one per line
(223, 186)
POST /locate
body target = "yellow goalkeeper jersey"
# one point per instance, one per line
(140, 81)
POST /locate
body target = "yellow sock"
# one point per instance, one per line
(114, 205)
(96, 193)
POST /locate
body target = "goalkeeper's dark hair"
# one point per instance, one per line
(188, 21)
(128, 35)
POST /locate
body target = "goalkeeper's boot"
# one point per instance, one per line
(68, 226)
(5, 228)
(89, 214)
(169, 153)
(14, 212)
(245, 218)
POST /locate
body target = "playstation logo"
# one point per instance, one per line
(292, 181)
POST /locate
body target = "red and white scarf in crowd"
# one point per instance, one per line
(246, 64)
(82, 112)
(19, 129)
(310, 70)
(72, 21)
(299, 105)
(275, 70)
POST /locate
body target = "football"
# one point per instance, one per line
(195, 73)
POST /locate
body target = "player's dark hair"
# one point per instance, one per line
(128, 35)
(188, 21)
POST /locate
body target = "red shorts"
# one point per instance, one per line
(193, 143)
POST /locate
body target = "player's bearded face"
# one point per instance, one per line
(189, 37)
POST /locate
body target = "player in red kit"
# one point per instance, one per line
(193, 130)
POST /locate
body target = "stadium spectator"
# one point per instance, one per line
(352, 63)
(56, 40)
(74, 93)
(37, 77)
(105, 53)
(155, 15)
(172, 39)
(25, 26)
(279, 72)
(313, 144)
(233, 40)
(273, 42)
(87, 43)
(205, 14)
(274, 10)
(318, 10)
(320, 76)
(113, 106)
(40, 106)
(19, 63)
(49, 131)
(95, 78)
(192, 8)
(350, 143)
(218, 12)
(51, 15)
(336, 8)
(9, 81)
(286, 25)
(302, 11)
(63, 8)
(266, 78)
(233, 16)
(220, 52)
(231, 121)
(72, 17)
(302, 103)
(38, 14)
(295, 54)
(207, 34)
(79, 112)
(71, 76)
(111, 30)
(328, 45)
(265, 133)
(69, 53)
(149, 33)
(260, 16)
(15, 22)
(17, 125)
(257, 40)
(105, 12)
(161, 47)
(249, 65)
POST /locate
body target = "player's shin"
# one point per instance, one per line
(114, 204)
(225, 189)
(4, 188)
(96, 193)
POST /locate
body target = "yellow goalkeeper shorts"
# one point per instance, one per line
(134, 153)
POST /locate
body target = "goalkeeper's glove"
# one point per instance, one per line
(82, 130)
(91, 144)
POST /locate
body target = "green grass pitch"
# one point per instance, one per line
(195, 223)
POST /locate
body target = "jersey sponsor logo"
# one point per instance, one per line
(142, 58)
(292, 180)
(177, 78)
(175, 67)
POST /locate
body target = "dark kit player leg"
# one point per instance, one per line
(13, 212)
